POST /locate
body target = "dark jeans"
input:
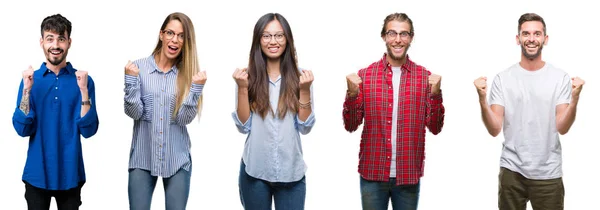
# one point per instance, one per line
(377, 195)
(515, 190)
(258, 194)
(39, 199)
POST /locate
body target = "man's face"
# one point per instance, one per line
(532, 39)
(55, 46)
(397, 39)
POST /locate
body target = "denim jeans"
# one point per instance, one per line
(141, 186)
(377, 195)
(257, 194)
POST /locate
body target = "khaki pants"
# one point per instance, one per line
(515, 190)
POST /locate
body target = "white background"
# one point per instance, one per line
(460, 40)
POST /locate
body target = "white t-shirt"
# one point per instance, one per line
(531, 141)
(397, 72)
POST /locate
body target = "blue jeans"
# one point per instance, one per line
(141, 186)
(376, 195)
(257, 194)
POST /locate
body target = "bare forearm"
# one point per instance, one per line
(565, 121)
(84, 97)
(24, 106)
(491, 122)
(305, 105)
(243, 105)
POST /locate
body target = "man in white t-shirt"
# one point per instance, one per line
(533, 102)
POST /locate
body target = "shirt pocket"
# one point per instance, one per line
(148, 101)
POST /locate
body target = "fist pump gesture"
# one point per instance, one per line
(435, 82)
(577, 84)
(306, 79)
(82, 79)
(240, 75)
(481, 85)
(131, 69)
(28, 78)
(353, 81)
(199, 78)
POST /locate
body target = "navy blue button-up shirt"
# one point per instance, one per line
(54, 125)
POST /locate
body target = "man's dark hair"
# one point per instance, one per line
(57, 24)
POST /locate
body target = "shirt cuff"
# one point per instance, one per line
(22, 118)
(88, 119)
(132, 80)
(437, 98)
(196, 88)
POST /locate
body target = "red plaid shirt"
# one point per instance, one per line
(417, 108)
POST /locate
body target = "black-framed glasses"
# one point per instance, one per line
(279, 37)
(393, 34)
(170, 34)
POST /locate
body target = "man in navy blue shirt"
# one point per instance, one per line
(55, 106)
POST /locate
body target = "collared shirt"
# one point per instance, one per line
(417, 109)
(273, 150)
(161, 143)
(54, 125)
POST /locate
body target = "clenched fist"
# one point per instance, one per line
(481, 85)
(199, 78)
(353, 81)
(306, 79)
(28, 78)
(131, 69)
(82, 79)
(240, 75)
(577, 84)
(435, 82)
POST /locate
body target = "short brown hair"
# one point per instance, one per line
(399, 17)
(531, 17)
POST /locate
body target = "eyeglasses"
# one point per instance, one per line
(268, 37)
(393, 34)
(170, 34)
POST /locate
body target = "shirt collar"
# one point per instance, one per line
(408, 65)
(156, 69)
(69, 69)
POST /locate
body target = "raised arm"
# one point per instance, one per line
(133, 105)
(88, 121)
(353, 111)
(493, 115)
(566, 108)
(242, 115)
(24, 115)
(435, 108)
(189, 108)
(305, 119)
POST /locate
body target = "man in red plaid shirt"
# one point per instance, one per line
(397, 99)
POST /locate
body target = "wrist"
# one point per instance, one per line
(350, 93)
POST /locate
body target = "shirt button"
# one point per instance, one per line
(56, 78)
(389, 140)
(389, 122)
(56, 97)
(160, 145)
(388, 157)
(390, 104)
(160, 132)
(56, 88)
(389, 86)
(161, 118)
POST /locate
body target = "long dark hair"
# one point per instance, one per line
(258, 78)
